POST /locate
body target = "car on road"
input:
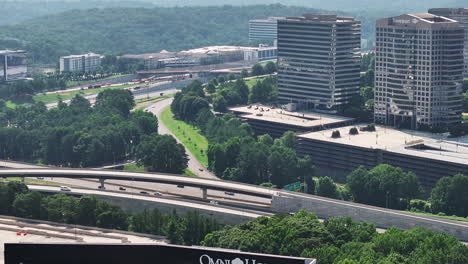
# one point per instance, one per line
(200, 169)
(122, 188)
(214, 202)
(143, 192)
(158, 194)
(65, 188)
(101, 187)
(180, 186)
(40, 178)
(229, 193)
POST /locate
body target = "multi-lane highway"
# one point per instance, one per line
(224, 208)
(260, 198)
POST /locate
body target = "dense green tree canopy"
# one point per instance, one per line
(75, 134)
(451, 195)
(338, 240)
(384, 185)
(161, 153)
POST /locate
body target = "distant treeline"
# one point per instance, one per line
(135, 30)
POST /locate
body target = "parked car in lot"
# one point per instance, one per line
(65, 188)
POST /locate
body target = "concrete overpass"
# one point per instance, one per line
(134, 202)
(102, 175)
(281, 201)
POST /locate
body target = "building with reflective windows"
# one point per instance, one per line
(418, 71)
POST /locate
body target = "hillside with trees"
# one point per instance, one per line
(136, 30)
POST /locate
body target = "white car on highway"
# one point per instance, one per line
(65, 188)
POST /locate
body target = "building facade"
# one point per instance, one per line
(263, 52)
(418, 71)
(460, 15)
(263, 29)
(89, 62)
(318, 60)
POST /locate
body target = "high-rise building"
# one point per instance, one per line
(460, 15)
(263, 29)
(89, 62)
(418, 71)
(318, 60)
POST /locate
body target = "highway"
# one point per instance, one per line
(154, 89)
(164, 178)
(193, 164)
(196, 205)
(259, 197)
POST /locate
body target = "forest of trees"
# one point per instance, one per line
(139, 30)
(76, 135)
(338, 241)
(17, 200)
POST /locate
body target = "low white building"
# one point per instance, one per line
(89, 62)
(263, 52)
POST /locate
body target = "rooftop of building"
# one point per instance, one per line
(324, 18)
(276, 115)
(394, 140)
(269, 19)
(144, 56)
(216, 49)
(454, 11)
(430, 18)
(11, 52)
(90, 54)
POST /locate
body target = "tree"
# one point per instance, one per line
(211, 88)
(450, 195)
(147, 123)
(162, 153)
(384, 185)
(27, 205)
(270, 67)
(257, 70)
(244, 73)
(121, 100)
(326, 187)
(306, 171)
(219, 104)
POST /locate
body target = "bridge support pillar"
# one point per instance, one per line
(205, 193)
(101, 180)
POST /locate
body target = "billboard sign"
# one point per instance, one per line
(39, 253)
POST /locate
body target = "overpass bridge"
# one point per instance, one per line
(281, 201)
(164, 178)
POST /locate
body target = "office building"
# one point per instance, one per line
(89, 63)
(263, 29)
(318, 60)
(263, 52)
(418, 71)
(428, 158)
(460, 15)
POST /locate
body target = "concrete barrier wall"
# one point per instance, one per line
(134, 206)
(383, 218)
